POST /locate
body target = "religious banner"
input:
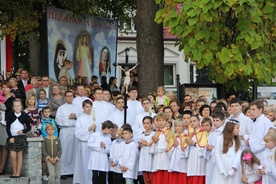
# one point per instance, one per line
(90, 43)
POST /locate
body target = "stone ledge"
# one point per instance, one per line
(35, 139)
(5, 179)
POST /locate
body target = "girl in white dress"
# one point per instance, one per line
(227, 155)
(249, 165)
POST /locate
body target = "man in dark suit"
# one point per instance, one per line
(46, 86)
(24, 80)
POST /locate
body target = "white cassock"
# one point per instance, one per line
(78, 101)
(98, 159)
(102, 112)
(82, 175)
(267, 160)
(145, 157)
(210, 155)
(196, 163)
(259, 129)
(110, 106)
(67, 137)
(179, 159)
(245, 127)
(117, 117)
(128, 158)
(225, 162)
(161, 157)
(134, 108)
(137, 126)
(115, 151)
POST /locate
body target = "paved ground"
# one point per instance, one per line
(69, 180)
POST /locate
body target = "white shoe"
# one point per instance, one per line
(45, 178)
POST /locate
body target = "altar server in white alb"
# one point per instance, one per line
(99, 144)
(209, 151)
(117, 117)
(134, 106)
(196, 169)
(268, 159)
(260, 127)
(101, 109)
(115, 150)
(245, 122)
(138, 127)
(227, 153)
(80, 97)
(128, 157)
(178, 164)
(66, 120)
(84, 129)
(145, 157)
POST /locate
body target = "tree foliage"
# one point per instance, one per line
(20, 17)
(235, 39)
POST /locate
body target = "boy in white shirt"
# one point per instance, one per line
(128, 157)
(99, 144)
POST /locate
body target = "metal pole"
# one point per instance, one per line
(125, 95)
(178, 86)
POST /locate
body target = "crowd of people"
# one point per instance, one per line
(163, 141)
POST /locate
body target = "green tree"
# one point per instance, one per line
(234, 39)
(25, 20)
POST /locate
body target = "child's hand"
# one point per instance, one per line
(176, 143)
(209, 147)
(139, 144)
(12, 140)
(189, 142)
(144, 142)
(261, 171)
(102, 145)
(244, 179)
(20, 132)
(92, 127)
(155, 139)
(113, 164)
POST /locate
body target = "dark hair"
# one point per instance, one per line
(111, 79)
(218, 115)
(145, 99)
(235, 100)
(69, 92)
(201, 100)
(87, 102)
(176, 101)
(228, 137)
(94, 77)
(259, 104)
(203, 107)
(115, 93)
(185, 104)
(132, 88)
(196, 116)
(207, 120)
(147, 117)
(119, 97)
(129, 130)
(45, 108)
(126, 126)
(187, 112)
(107, 124)
(97, 88)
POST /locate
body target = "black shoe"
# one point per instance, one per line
(63, 177)
(11, 176)
(16, 176)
